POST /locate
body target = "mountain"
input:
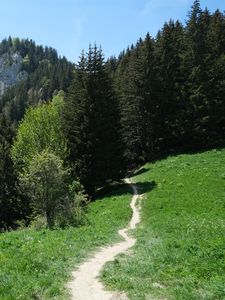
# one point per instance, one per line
(29, 74)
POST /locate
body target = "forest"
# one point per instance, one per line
(70, 130)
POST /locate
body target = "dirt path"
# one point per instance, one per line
(85, 284)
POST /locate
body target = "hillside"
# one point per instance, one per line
(180, 243)
(179, 252)
(37, 264)
(29, 74)
(162, 96)
(70, 134)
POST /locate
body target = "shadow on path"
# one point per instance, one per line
(122, 188)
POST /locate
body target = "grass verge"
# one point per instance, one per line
(180, 249)
(37, 264)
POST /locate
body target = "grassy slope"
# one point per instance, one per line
(37, 264)
(180, 253)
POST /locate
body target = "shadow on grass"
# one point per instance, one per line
(122, 188)
(141, 171)
(188, 149)
(145, 187)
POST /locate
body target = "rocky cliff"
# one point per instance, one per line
(29, 74)
(11, 70)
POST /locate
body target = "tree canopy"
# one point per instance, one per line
(40, 130)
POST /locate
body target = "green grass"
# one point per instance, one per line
(38, 264)
(180, 250)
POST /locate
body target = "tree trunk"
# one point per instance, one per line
(50, 221)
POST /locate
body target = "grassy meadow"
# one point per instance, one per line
(37, 264)
(180, 249)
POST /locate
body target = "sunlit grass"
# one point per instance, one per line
(180, 250)
(37, 264)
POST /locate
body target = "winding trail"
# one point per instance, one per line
(85, 284)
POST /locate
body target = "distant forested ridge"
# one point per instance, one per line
(162, 95)
(29, 74)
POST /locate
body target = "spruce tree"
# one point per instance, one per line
(137, 88)
(216, 73)
(91, 123)
(171, 80)
(148, 90)
(130, 106)
(198, 78)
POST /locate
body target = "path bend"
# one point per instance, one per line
(85, 284)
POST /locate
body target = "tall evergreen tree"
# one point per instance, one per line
(171, 79)
(91, 123)
(199, 65)
(148, 91)
(127, 82)
(216, 72)
(136, 84)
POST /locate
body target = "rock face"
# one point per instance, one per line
(10, 71)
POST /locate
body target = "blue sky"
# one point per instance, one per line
(71, 25)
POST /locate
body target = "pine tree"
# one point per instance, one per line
(148, 91)
(91, 123)
(216, 73)
(199, 66)
(127, 87)
(171, 80)
(136, 85)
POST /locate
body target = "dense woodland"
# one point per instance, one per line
(162, 95)
(47, 74)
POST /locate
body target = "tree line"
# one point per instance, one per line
(162, 95)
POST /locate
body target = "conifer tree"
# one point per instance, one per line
(171, 79)
(148, 91)
(91, 123)
(137, 85)
(127, 83)
(199, 65)
(216, 73)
